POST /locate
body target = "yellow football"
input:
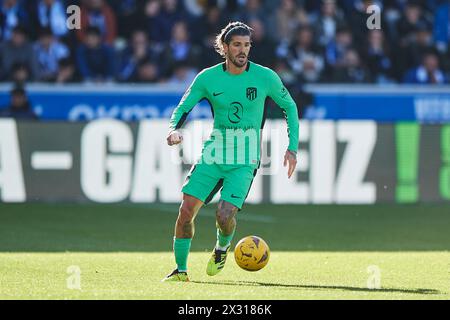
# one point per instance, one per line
(251, 253)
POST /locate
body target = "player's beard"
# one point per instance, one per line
(237, 60)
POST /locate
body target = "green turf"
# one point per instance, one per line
(318, 252)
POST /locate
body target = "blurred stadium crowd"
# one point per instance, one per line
(169, 41)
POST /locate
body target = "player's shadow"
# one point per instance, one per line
(301, 286)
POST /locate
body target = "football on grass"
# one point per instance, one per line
(251, 253)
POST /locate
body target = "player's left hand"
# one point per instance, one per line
(291, 158)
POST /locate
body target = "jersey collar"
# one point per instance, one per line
(224, 66)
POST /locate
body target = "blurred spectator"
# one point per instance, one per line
(183, 31)
(183, 74)
(287, 76)
(208, 57)
(49, 14)
(195, 8)
(230, 6)
(95, 59)
(20, 73)
(263, 49)
(48, 52)
(179, 48)
(152, 20)
(377, 57)
(214, 19)
(303, 57)
(442, 27)
(288, 18)
(358, 19)
(428, 72)
(138, 50)
(398, 4)
(127, 15)
(67, 72)
(254, 10)
(172, 12)
(432, 5)
(352, 70)
(19, 107)
(97, 13)
(147, 72)
(391, 15)
(17, 50)
(311, 6)
(410, 55)
(412, 20)
(12, 14)
(338, 47)
(212, 22)
(311, 66)
(329, 20)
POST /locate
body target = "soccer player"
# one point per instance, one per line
(236, 90)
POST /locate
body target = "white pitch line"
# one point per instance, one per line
(51, 160)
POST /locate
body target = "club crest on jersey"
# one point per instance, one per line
(251, 93)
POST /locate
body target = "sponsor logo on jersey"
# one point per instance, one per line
(235, 112)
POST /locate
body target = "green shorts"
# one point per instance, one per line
(234, 181)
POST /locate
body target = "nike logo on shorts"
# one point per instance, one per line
(233, 196)
(215, 94)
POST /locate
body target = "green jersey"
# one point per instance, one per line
(237, 103)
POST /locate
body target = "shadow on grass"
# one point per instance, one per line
(299, 286)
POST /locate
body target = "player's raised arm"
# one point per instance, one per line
(283, 99)
(191, 97)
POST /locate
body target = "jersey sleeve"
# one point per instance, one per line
(191, 97)
(281, 96)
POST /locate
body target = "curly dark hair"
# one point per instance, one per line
(235, 28)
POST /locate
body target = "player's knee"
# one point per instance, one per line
(187, 213)
(224, 216)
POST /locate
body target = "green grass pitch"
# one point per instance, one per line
(317, 252)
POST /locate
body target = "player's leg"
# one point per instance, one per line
(226, 225)
(185, 229)
(184, 232)
(201, 184)
(236, 186)
(184, 226)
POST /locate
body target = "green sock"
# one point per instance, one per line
(181, 249)
(222, 240)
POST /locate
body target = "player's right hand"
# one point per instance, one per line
(174, 137)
